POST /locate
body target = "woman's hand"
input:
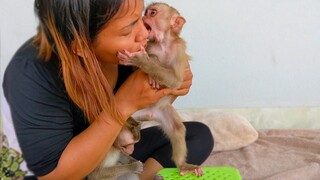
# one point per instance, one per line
(186, 84)
(136, 93)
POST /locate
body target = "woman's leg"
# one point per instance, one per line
(151, 167)
(154, 149)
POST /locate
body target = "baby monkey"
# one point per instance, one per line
(164, 60)
(118, 163)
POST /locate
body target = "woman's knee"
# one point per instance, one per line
(199, 141)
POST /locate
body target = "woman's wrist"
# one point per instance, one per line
(124, 108)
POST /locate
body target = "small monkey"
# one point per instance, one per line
(118, 163)
(164, 60)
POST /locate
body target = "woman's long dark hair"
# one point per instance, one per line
(66, 24)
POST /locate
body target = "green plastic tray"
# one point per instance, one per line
(210, 173)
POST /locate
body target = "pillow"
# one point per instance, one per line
(230, 131)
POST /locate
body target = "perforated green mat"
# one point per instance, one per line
(210, 173)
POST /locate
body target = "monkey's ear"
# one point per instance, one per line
(177, 23)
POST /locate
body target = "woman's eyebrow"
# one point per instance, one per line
(131, 24)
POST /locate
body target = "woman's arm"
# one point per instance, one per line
(84, 152)
(133, 96)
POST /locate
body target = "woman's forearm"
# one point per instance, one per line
(86, 150)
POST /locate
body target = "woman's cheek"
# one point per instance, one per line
(129, 44)
(134, 48)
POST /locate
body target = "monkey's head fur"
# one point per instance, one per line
(128, 136)
(156, 18)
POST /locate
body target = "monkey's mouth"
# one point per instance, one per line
(151, 33)
(148, 27)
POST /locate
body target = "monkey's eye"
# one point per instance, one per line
(153, 12)
(127, 145)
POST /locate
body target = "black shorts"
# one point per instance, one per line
(155, 144)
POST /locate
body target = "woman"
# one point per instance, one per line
(69, 97)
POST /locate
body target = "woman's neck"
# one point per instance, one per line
(110, 71)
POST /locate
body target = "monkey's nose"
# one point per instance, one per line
(130, 149)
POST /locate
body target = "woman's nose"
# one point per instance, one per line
(142, 32)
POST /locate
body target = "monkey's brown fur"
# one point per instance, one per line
(117, 165)
(165, 61)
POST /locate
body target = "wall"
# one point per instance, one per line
(18, 23)
(246, 53)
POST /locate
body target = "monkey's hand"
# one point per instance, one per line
(129, 58)
(132, 164)
(154, 83)
(189, 168)
(125, 58)
(137, 167)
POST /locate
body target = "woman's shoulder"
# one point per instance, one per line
(27, 75)
(25, 64)
(26, 60)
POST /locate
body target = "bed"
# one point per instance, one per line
(277, 154)
(263, 153)
(281, 153)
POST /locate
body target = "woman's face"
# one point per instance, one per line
(125, 30)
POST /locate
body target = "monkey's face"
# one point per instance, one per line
(157, 20)
(125, 141)
(128, 149)
(150, 13)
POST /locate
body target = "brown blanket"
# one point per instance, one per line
(285, 154)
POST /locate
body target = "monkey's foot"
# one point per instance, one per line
(190, 168)
(157, 177)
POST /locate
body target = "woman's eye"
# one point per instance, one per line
(126, 33)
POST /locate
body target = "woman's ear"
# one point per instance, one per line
(77, 50)
(177, 23)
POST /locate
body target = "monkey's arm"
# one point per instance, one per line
(119, 170)
(112, 172)
(135, 167)
(124, 159)
(164, 74)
